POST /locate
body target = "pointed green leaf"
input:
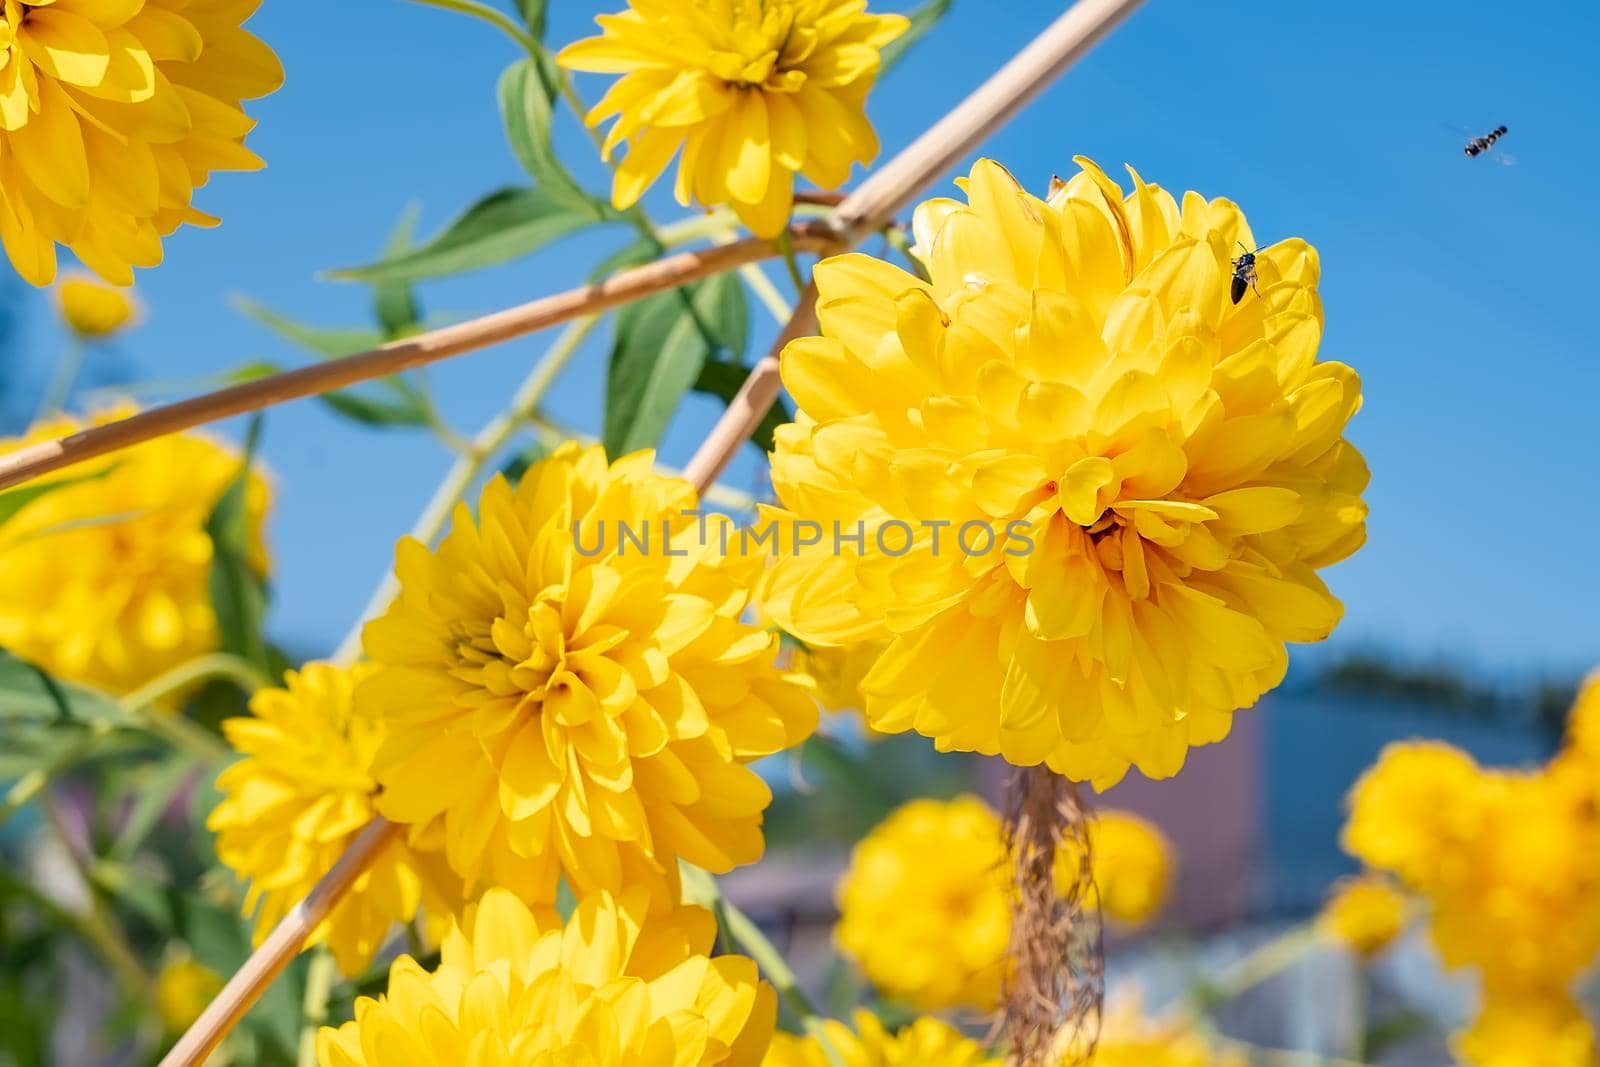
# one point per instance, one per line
(526, 107)
(238, 594)
(324, 342)
(14, 500)
(394, 303)
(922, 20)
(533, 13)
(723, 380)
(29, 694)
(503, 226)
(661, 345)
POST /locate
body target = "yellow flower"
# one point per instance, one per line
(1129, 1039)
(1094, 492)
(927, 1042)
(1412, 811)
(615, 987)
(751, 91)
(183, 989)
(105, 578)
(111, 114)
(1508, 860)
(585, 707)
(297, 800)
(1132, 862)
(1366, 914)
(1542, 1027)
(923, 907)
(836, 675)
(92, 309)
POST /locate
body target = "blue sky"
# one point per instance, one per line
(1459, 289)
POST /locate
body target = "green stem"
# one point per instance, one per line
(174, 728)
(1266, 961)
(314, 1008)
(786, 246)
(95, 924)
(702, 888)
(498, 19)
(25, 789)
(466, 470)
(66, 372)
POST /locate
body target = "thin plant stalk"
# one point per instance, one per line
(467, 469)
(624, 287)
(65, 374)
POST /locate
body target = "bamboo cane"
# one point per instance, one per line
(622, 288)
(878, 198)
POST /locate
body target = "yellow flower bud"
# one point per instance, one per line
(92, 309)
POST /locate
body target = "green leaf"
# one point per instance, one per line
(505, 225)
(238, 594)
(404, 410)
(661, 345)
(922, 20)
(394, 303)
(533, 13)
(29, 694)
(518, 465)
(636, 254)
(14, 500)
(527, 107)
(724, 380)
(404, 407)
(325, 343)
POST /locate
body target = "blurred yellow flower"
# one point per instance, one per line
(1094, 492)
(295, 802)
(579, 708)
(924, 904)
(751, 91)
(1365, 914)
(111, 114)
(1534, 1028)
(183, 989)
(1509, 860)
(923, 907)
(1412, 811)
(1129, 1039)
(91, 308)
(105, 579)
(615, 987)
(927, 1042)
(1132, 862)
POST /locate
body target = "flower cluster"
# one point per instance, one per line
(105, 577)
(924, 908)
(298, 799)
(751, 94)
(926, 1042)
(111, 115)
(1365, 914)
(1074, 364)
(1509, 863)
(587, 714)
(613, 987)
(1129, 1038)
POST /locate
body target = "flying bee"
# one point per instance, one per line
(1482, 144)
(1477, 146)
(1244, 273)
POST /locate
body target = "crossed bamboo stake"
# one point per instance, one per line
(879, 198)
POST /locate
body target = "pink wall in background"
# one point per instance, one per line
(1210, 812)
